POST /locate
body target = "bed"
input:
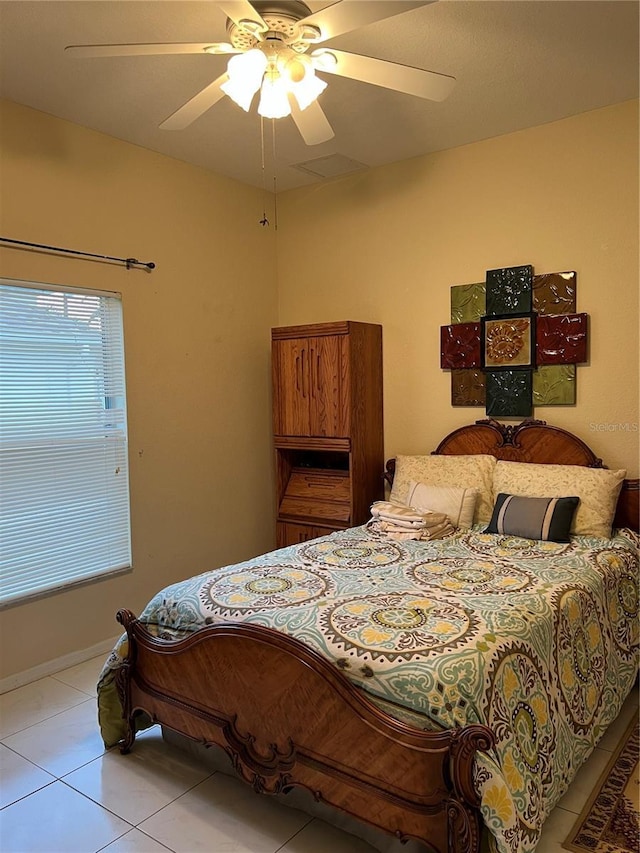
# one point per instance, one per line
(437, 690)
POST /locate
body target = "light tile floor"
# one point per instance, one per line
(60, 791)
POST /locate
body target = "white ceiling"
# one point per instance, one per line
(518, 63)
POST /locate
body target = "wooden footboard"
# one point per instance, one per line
(286, 717)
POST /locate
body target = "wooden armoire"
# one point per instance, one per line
(327, 426)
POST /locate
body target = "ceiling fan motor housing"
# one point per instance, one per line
(282, 22)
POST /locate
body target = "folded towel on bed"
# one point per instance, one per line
(403, 522)
(395, 531)
(405, 516)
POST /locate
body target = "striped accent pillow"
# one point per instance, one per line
(547, 519)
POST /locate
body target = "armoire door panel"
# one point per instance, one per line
(291, 387)
(329, 379)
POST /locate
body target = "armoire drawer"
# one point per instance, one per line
(323, 483)
(317, 493)
(292, 533)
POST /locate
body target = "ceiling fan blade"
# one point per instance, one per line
(242, 10)
(311, 122)
(390, 75)
(81, 50)
(347, 15)
(196, 106)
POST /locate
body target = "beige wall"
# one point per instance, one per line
(197, 334)
(386, 246)
(383, 246)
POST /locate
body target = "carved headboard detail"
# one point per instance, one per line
(535, 442)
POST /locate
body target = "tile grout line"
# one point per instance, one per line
(75, 687)
(30, 794)
(44, 719)
(295, 835)
(174, 800)
(146, 834)
(56, 778)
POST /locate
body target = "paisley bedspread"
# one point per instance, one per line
(538, 640)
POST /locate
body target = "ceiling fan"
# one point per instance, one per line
(277, 51)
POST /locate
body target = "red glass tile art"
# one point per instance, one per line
(460, 346)
(561, 338)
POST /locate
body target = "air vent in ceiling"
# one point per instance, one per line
(331, 166)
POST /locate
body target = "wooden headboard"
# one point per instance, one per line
(534, 441)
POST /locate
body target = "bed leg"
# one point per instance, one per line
(464, 806)
(123, 684)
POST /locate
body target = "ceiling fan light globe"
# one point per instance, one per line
(245, 71)
(296, 70)
(248, 66)
(274, 101)
(307, 91)
(239, 93)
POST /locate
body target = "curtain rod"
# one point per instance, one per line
(128, 262)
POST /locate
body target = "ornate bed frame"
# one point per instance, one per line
(231, 686)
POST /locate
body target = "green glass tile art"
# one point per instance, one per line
(468, 302)
(509, 290)
(509, 393)
(555, 385)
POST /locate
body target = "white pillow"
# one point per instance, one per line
(597, 488)
(457, 504)
(458, 472)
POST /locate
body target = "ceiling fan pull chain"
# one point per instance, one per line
(264, 221)
(273, 161)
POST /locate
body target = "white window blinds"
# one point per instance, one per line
(64, 491)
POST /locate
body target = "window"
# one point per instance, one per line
(64, 490)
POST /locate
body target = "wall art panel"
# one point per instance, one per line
(514, 341)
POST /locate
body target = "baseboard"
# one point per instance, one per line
(19, 679)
